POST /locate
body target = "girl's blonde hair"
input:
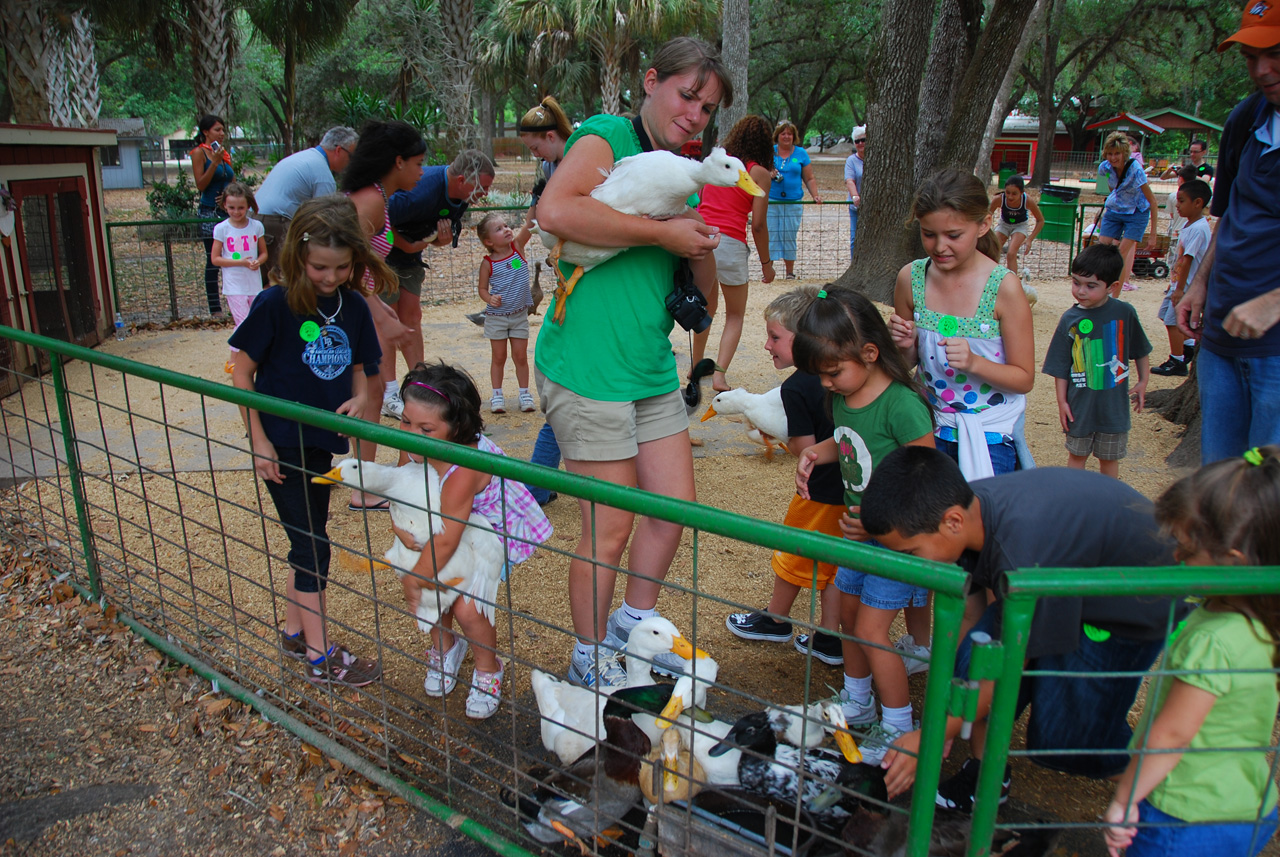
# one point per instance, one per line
(1117, 141)
(547, 116)
(327, 221)
(238, 189)
(1229, 505)
(482, 228)
(964, 194)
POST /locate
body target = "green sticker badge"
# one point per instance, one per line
(444, 212)
(310, 331)
(516, 264)
(948, 326)
(391, 238)
(1085, 325)
(1098, 635)
(235, 255)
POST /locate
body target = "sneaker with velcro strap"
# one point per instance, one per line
(957, 791)
(342, 667)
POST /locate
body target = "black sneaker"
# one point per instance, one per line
(1172, 366)
(956, 792)
(826, 648)
(758, 626)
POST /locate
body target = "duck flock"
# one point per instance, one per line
(630, 762)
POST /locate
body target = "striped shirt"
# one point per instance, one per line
(509, 280)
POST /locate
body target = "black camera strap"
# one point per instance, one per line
(646, 145)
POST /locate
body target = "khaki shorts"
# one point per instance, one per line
(1107, 446)
(514, 326)
(411, 279)
(816, 518)
(593, 430)
(731, 261)
(1023, 228)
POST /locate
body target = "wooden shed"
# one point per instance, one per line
(122, 163)
(55, 279)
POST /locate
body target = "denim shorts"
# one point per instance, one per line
(1004, 456)
(1077, 712)
(1132, 226)
(1221, 840)
(880, 592)
(1168, 311)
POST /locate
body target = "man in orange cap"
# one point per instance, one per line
(1233, 303)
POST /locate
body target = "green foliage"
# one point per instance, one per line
(242, 161)
(138, 85)
(173, 201)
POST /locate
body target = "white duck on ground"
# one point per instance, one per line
(764, 413)
(654, 184)
(474, 570)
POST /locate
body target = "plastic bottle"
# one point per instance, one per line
(120, 332)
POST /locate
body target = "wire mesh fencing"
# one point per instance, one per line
(143, 481)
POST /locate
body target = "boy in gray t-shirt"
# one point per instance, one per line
(1193, 242)
(1089, 358)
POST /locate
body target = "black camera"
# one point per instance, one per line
(687, 305)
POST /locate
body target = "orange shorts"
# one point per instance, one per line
(817, 518)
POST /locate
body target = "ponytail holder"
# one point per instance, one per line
(822, 293)
(1254, 457)
(306, 236)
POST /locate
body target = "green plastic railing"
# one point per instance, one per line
(949, 583)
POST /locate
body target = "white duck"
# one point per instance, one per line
(763, 412)
(474, 570)
(653, 184)
(573, 716)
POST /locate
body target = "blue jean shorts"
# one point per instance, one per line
(1182, 840)
(880, 592)
(1077, 712)
(1132, 226)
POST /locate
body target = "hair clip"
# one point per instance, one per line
(822, 293)
(306, 236)
(1254, 457)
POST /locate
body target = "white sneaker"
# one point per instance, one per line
(497, 405)
(597, 671)
(442, 672)
(393, 406)
(915, 658)
(858, 713)
(875, 743)
(486, 694)
(526, 402)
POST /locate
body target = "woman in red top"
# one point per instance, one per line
(728, 208)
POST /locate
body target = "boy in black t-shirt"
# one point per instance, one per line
(1089, 356)
(918, 502)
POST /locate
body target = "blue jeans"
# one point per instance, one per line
(303, 508)
(1239, 404)
(1004, 456)
(547, 453)
(1077, 712)
(1221, 840)
(853, 228)
(881, 593)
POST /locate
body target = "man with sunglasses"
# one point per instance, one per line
(853, 180)
(294, 180)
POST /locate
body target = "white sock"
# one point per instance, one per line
(896, 719)
(583, 651)
(497, 391)
(1181, 358)
(524, 391)
(1188, 344)
(858, 689)
(392, 387)
(629, 617)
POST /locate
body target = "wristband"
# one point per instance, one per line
(764, 262)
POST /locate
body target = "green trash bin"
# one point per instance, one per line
(1005, 175)
(1059, 218)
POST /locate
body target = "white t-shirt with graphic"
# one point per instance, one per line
(239, 244)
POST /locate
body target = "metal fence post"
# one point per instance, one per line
(1004, 704)
(948, 611)
(173, 284)
(73, 471)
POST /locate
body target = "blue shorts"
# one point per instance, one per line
(881, 593)
(1004, 455)
(1132, 226)
(1183, 840)
(1168, 311)
(1077, 712)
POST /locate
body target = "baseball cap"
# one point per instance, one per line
(1259, 25)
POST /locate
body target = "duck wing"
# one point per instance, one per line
(653, 184)
(483, 564)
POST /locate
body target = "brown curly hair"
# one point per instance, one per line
(750, 140)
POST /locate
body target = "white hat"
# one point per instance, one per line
(858, 131)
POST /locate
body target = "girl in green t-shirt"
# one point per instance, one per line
(1221, 802)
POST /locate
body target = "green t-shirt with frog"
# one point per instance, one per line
(864, 436)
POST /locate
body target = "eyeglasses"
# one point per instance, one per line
(351, 153)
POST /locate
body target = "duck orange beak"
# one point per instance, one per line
(848, 747)
(673, 709)
(745, 182)
(685, 649)
(711, 412)
(333, 477)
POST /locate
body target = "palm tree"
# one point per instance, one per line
(297, 28)
(212, 49)
(37, 62)
(611, 28)
(82, 71)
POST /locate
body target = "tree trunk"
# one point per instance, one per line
(486, 121)
(290, 90)
(948, 56)
(82, 69)
(1044, 142)
(30, 59)
(982, 79)
(884, 244)
(211, 57)
(611, 82)
(1006, 98)
(735, 50)
(457, 17)
(60, 110)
